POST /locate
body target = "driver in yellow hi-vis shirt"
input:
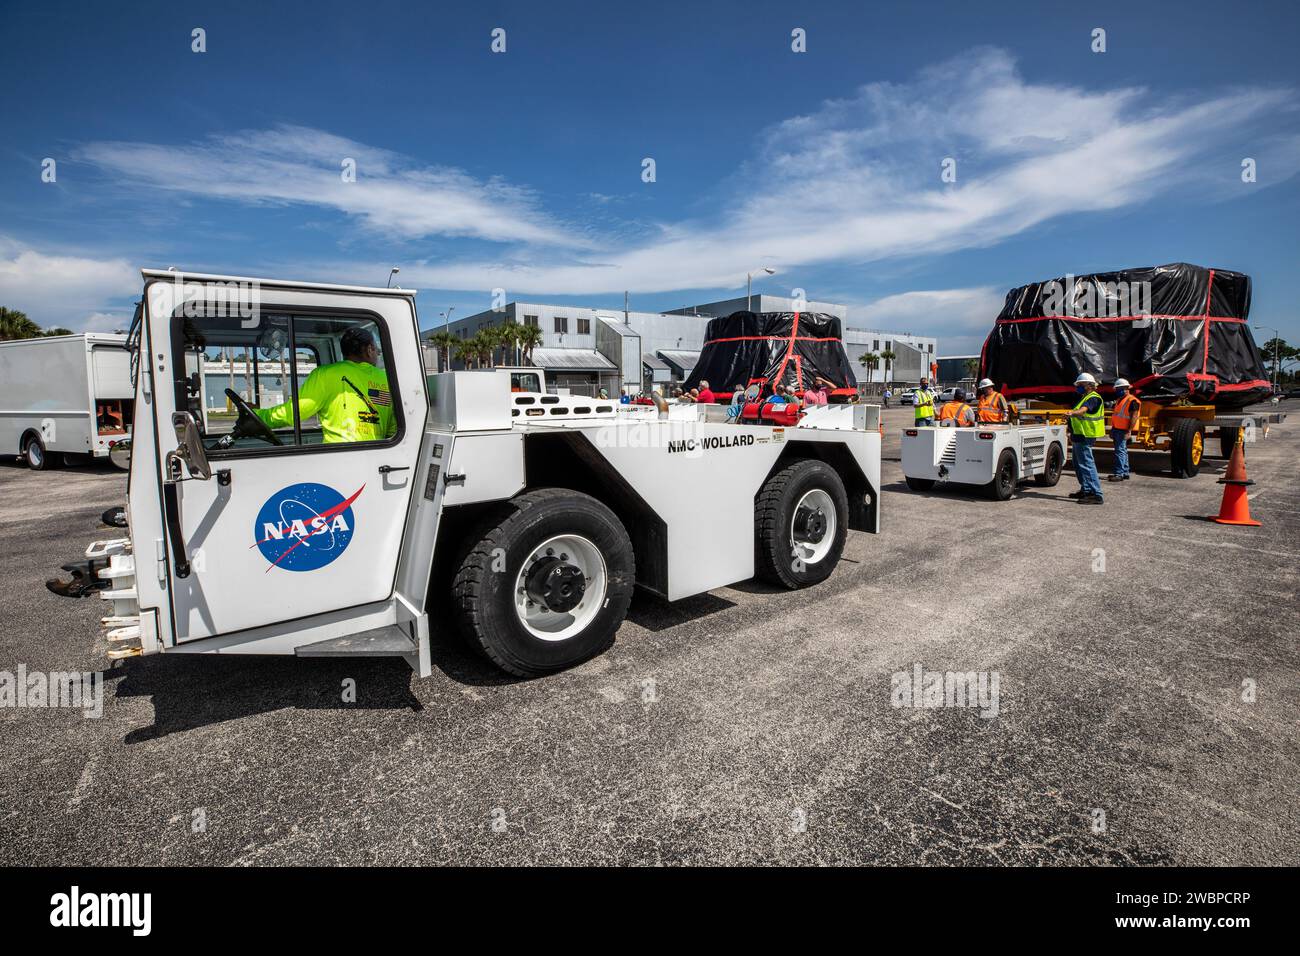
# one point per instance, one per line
(350, 397)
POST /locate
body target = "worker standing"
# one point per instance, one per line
(923, 403)
(1122, 419)
(993, 409)
(1087, 424)
(957, 413)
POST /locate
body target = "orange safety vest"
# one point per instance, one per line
(953, 412)
(993, 408)
(1125, 412)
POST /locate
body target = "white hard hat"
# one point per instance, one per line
(1085, 377)
(985, 383)
(1121, 383)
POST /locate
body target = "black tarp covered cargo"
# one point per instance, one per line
(788, 347)
(1172, 331)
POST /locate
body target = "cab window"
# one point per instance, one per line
(291, 381)
(525, 382)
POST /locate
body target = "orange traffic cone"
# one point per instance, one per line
(1235, 508)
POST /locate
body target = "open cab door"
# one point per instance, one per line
(277, 444)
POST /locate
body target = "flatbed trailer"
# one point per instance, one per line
(993, 457)
(522, 520)
(1179, 429)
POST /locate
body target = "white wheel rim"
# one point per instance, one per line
(810, 552)
(538, 619)
(34, 453)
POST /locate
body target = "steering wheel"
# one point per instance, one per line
(248, 425)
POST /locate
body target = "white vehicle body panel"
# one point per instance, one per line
(968, 456)
(50, 386)
(467, 440)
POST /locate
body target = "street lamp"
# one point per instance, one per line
(392, 272)
(1277, 341)
(749, 282)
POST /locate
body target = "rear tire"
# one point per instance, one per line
(38, 457)
(1052, 468)
(801, 521)
(920, 484)
(1003, 485)
(506, 593)
(1228, 440)
(1187, 447)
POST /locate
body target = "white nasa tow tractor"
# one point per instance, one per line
(524, 519)
(995, 457)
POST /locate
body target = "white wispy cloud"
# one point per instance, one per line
(858, 180)
(960, 318)
(391, 195)
(72, 291)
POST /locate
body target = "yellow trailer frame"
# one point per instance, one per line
(1175, 427)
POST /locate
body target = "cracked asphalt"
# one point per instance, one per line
(741, 726)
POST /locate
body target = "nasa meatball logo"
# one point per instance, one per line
(305, 527)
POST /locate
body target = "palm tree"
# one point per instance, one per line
(530, 336)
(510, 339)
(466, 350)
(972, 367)
(888, 356)
(869, 360)
(16, 325)
(444, 342)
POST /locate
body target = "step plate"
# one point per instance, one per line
(390, 641)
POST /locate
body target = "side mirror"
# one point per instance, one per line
(190, 450)
(120, 454)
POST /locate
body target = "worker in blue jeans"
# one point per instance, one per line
(1087, 424)
(1122, 419)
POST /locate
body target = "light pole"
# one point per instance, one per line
(392, 272)
(446, 327)
(749, 283)
(1277, 341)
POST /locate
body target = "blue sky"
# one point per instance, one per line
(523, 170)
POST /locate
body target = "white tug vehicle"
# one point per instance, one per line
(521, 519)
(994, 457)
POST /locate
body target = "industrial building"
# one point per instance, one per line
(585, 349)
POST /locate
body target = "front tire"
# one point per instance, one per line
(801, 521)
(1052, 468)
(1187, 447)
(1003, 485)
(546, 582)
(38, 457)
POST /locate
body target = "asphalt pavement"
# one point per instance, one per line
(1146, 711)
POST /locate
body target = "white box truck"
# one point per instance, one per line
(64, 397)
(458, 500)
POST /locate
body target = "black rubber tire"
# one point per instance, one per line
(115, 517)
(1228, 440)
(38, 457)
(1052, 468)
(1005, 476)
(920, 484)
(1181, 449)
(483, 599)
(774, 508)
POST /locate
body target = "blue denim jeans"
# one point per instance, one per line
(1121, 451)
(1085, 466)
(924, 422)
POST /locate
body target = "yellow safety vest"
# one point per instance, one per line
(1089, 424)
(923, 402)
